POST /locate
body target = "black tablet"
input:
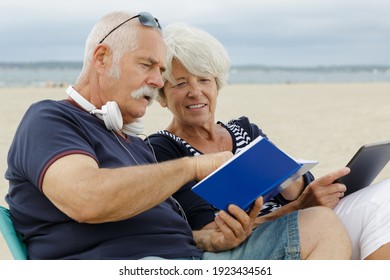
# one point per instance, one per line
(365, 166)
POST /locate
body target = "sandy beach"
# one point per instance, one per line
(325, 122)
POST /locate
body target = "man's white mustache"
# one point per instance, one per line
(145, 91)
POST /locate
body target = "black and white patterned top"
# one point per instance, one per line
(241, 138)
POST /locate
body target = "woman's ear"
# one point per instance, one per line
(161, 98)
(162, 102)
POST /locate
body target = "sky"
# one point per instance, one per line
(266, 32)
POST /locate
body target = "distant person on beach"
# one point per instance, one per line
(82, 186)
(197, 68)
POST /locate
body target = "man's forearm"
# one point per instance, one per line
(140, 188)
(87, 193)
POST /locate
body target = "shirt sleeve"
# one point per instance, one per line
(45, 134)
(252, 129)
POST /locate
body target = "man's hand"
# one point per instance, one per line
(206, 164)
(229, 229)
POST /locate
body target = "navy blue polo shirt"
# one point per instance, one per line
(52, 129)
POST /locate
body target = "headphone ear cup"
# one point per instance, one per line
(112, 116)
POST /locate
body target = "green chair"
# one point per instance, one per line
(12, 238)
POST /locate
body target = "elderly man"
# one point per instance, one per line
(82, 187)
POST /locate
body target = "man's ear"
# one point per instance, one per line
(102, 58)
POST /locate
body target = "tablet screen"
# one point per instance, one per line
(365, 166)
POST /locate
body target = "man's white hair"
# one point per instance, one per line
(123, 39)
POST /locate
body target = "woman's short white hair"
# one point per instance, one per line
(122, 40)
(198, 51)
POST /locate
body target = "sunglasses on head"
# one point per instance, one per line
(144, 18)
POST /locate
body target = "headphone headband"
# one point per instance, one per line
(84, 103)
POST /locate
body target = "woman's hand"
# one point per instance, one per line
(228, 229)
(324, 191)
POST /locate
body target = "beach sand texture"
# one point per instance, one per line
(325, 122)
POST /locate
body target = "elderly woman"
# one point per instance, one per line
(197, 68)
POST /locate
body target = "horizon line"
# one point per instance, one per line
(238, 65)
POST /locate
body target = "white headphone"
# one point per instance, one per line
(109, 113)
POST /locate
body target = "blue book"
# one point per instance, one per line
(260, 169)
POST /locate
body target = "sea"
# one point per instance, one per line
(46, 74)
